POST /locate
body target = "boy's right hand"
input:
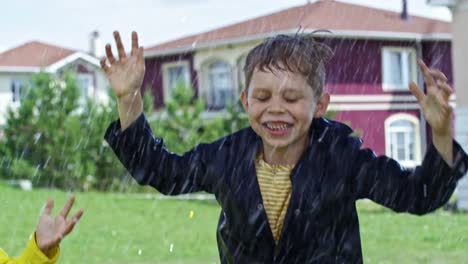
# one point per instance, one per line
(125, 73)
(126, 77)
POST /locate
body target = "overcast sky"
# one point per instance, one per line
(68, 23)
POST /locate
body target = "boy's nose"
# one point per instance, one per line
(276, 109)
(276, 105)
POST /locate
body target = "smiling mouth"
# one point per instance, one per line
(277, 126)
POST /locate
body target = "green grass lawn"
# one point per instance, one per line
(120, 229)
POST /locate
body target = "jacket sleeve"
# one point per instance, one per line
(150, 163)
(31, 255)
(418, 191)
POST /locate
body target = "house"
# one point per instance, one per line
(375, 59)
(19, 64)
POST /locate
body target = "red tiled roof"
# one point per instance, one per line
(325, 14)
(34, 54)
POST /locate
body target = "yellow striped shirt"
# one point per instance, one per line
(275, 187)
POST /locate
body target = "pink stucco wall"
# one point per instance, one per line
(371, 125)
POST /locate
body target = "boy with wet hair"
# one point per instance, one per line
(287, 185)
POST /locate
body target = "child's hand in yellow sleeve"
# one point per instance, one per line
(51, 230)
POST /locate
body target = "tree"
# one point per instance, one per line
(41, 136)
(57, 140)
(180, 124)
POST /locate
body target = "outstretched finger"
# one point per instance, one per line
(109, 54)
(134, 43)
(70, 224)
(120, 47)
(427, 75)
(66, 209)
(140, 57)
(417, 92)
(48, 207)
(104, 65)
(438, 75)
(78, 215)
(445, 88)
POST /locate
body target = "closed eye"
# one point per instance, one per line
(291, 100)
(262, 98)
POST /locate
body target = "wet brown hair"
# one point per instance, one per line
(299, 53)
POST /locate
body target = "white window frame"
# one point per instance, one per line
(90, 79)
(16, 86)
(240, 64)
(209, 89)
(407, 77)
(417, 138)
(165, 69)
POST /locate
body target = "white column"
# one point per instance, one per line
(460, 63)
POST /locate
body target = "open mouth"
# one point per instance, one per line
(277, 128)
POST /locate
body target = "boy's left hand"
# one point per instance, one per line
(436, 109)
(435, 104)
(51, 230)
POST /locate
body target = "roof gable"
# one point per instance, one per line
(336, 16)
(34, 54)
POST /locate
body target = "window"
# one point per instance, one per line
(175, 73)
(85, 83)
(398, 68)
(240, 73)
(16, 91)
(403, 139)
(221, 90)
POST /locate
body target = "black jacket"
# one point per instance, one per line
(321, 223)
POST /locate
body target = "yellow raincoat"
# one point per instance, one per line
(31, 255)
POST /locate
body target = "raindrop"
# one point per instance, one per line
(37, 136)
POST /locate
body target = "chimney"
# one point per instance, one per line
(95, 48)
(404, 12)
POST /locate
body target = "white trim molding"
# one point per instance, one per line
(377, 98)
(383, 98)
(205, 89)
(417, 137)
(373, 107)
(447, 3)
(351, 34)
(412, 75)
(165, 78)
(53, 67)
(377, 106)
(71, 58)
(20, 69)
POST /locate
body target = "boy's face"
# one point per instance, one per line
(280, 106)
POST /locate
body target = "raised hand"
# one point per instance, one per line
(436, 109)
(126, 77)
(51, 230)
(435, 103)
(125, 73)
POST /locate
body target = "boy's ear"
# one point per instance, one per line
(243, 98)
(322, 105)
